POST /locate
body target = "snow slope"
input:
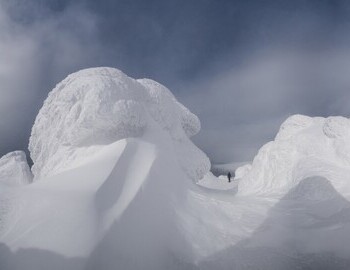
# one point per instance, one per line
(118, 184)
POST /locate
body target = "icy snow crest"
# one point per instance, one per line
(304, 147)
(98, 106)
(14, 169)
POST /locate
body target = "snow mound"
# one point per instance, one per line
(118, 151)
(304, 147)
(115, 158)
(14, 169)
(99, 106)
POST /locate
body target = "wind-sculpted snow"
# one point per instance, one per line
(99, 106)
(14, 169)
(115, 160)
(116, 167)
(304, 147)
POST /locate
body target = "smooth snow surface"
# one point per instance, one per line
(119, 185)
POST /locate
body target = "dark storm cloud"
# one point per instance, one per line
(242, 66)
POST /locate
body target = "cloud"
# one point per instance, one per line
(243, 67)
(241, 108)
(34, 55)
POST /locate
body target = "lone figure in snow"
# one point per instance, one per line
(229, 177)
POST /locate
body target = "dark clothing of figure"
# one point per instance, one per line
(229, 177)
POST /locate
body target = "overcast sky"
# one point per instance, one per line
(241, 66)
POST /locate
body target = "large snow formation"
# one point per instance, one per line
(14, 169)
(103, 105)
(304, 147)
(113, 165)
(115, 188)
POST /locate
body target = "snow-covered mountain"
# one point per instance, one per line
(118, 184)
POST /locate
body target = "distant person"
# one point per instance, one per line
(229, 177)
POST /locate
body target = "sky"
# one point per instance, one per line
(242, 66)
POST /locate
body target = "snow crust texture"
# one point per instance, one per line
(99, 106)
(304, 147)
(14, 169)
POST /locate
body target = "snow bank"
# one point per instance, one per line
(304, 147)
(99, 106)
(14, 169)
